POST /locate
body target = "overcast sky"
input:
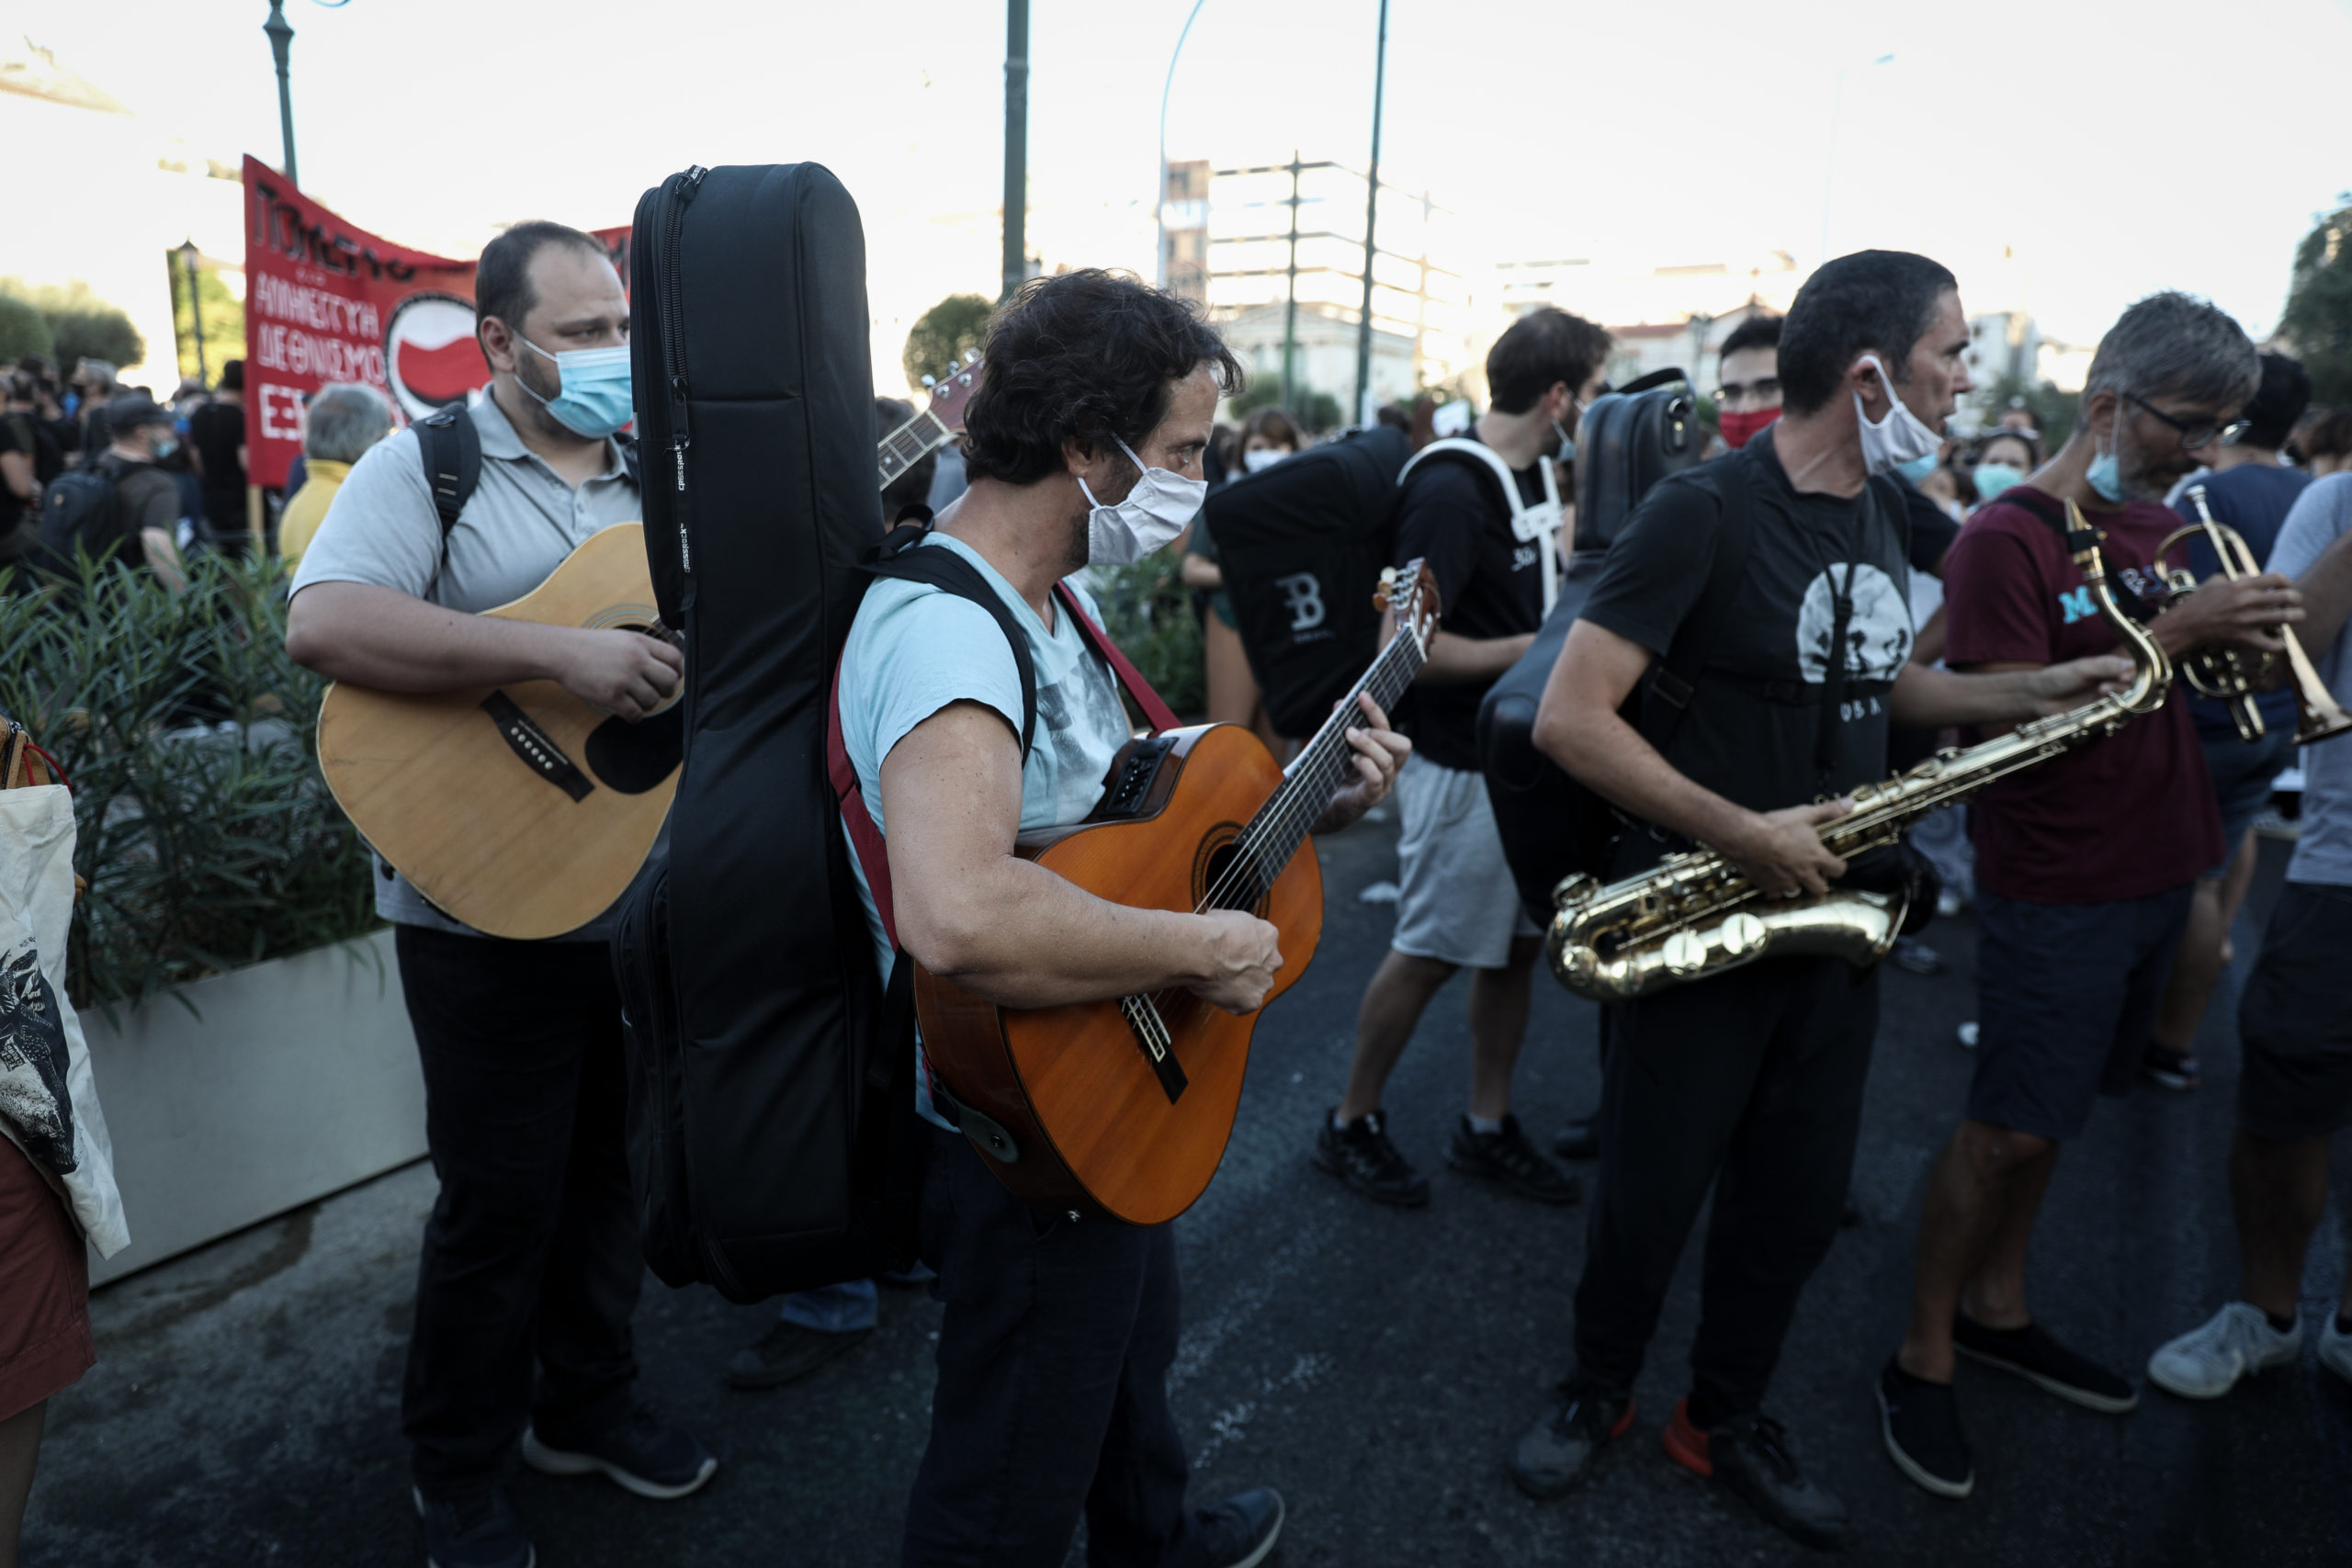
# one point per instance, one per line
(2111, 147)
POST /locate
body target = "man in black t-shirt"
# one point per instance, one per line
(216, 433)
(1458, 907)
(1750, 1080)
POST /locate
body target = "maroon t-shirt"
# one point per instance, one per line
(2117, 819)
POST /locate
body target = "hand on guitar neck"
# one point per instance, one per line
(392, 641)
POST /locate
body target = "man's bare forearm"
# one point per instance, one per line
(1613, 759)
(2328, 596)
(1021, 936)
(1927, 698)
(381, 637)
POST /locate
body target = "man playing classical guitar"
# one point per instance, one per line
(531, 1254)
(1084, 445)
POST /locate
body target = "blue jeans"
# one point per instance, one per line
(834, 1309)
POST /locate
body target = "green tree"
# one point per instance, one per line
(942, 336)
(81, 325)
(224, 319)
(23, 330)
(2054, 412)
(2318, 317)
(1315, 411)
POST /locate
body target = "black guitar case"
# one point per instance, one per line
(772, 1132)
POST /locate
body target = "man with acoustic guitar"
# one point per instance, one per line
(530, 1262)
(1084, 445)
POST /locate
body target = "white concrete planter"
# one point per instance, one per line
(299, 1078)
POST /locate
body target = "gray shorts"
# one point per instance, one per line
(1456, 902)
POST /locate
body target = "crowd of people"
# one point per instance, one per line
(1889, 586)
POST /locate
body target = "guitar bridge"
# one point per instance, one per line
(1151, 1034)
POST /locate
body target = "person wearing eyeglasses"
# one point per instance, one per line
(2084, 865)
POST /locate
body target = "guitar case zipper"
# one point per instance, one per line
(678, 192)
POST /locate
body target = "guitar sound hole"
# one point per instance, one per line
(1224, 888)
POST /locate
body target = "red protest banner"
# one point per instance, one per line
(328, 301)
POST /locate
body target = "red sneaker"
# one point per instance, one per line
(1685, 1444)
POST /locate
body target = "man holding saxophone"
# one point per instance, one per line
(1751, 1080)
(2084, 865)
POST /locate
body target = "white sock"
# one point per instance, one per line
(1484, 1124)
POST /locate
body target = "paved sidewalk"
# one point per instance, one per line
(1375, 1365)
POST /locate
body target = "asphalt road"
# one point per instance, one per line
(1376, 1366)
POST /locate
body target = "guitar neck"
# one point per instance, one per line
(1317, 773)
(910, 444)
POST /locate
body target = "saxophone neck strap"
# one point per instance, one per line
(2052, 513)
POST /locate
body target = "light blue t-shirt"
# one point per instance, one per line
(2322, 515)
(913, 649)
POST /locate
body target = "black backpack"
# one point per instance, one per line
(79, 512)
(1553, 826)
(1302, 546)
(1626, 442)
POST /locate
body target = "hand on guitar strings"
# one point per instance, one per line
(1236, 965)
(1379, 752)
(624, 673)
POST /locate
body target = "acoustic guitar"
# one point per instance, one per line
(1123, 1108)
(521, 810)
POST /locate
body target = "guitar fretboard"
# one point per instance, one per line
(910, 443)
(1313, 777)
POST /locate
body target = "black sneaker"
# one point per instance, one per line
(1915, 957)
(1578, 1140)
(643, 1454)
(2172, 1069)
(1557, 1451)
(1237, 1533)
(789, 1351)
(1920, 1422)
(1360, 1155)
(1505, 1155)
(2034, 1356)
(1749, 1455)
(475, 1528)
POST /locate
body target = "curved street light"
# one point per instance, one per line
(1159, 175)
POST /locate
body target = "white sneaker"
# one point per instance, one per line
(2207, 1363)
(2334, 1348)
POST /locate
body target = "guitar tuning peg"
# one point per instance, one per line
(928, 382)
(971, 357)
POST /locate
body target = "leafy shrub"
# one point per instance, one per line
(1148, 611)
(23, 330)
(205, 829)
(81, 325)
(942, 334)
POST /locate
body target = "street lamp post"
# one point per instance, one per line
(188, 254)
(1016, 145)
(1160, 180)
(1370, 211)
(281, 40)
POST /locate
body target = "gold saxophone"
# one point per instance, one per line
(1696, 914)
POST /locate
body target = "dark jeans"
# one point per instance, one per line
(1752, 1082)
(531, 1252)
(1053, 1382)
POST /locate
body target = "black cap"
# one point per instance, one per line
(129, 412)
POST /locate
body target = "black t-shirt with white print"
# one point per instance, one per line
(1490, 584)
(1752, 732)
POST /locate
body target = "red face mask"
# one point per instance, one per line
(1740, 428)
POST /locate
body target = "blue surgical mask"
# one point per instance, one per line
(1992, 478)
(593, 392)
(1918, 468)
(2106, 473)
(1568, 452)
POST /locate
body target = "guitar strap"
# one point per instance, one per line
(450, 449)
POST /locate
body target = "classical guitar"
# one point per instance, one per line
(1123, 1108)
(521, 810)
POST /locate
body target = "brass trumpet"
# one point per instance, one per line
(2232, 675)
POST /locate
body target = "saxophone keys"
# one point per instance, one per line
(1686, 953)
(1743, 934)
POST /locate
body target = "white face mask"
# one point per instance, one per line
(1153, 514)
(1263, 458)
(1901, 437)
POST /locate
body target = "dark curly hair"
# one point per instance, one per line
(1086, 356)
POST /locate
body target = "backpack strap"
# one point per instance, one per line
(1673, 680)
(1155, 713)
(1529, 524)
(452, 449)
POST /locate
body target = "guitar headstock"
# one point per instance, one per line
(1411, 592)
(953, 387)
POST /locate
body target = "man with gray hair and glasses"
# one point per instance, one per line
(2084, 864)
(344, 420)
